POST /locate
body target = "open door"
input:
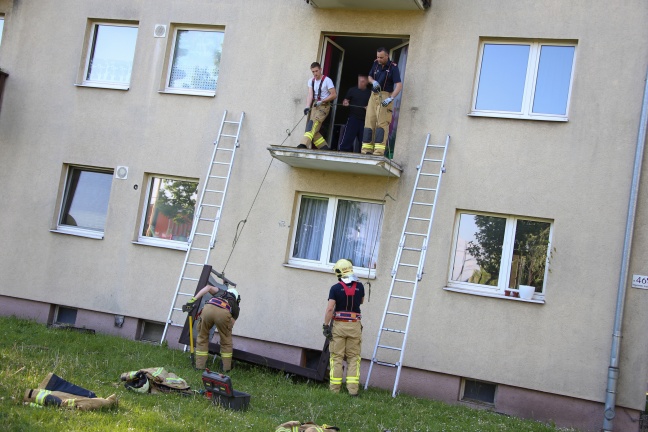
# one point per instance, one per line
(398, 54)
(332, 60)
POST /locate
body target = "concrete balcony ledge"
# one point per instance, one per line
(372, 4)
(353, 163)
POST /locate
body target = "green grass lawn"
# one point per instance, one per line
(28, 351)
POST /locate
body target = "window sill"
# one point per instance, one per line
(518, 116)
(97, 235)
(360, 273)
(181, 247)
(493, 295)
(189, 92)
(104, 86)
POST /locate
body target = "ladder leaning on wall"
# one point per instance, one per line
(409, 262)
(206, 218)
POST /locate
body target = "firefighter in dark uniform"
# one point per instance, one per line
(385, 80)
(222, 311)
(342, 325)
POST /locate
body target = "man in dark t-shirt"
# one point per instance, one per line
(357, 99)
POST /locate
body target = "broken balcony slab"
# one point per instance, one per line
(345, 162)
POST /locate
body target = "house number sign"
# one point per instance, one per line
(640, 281)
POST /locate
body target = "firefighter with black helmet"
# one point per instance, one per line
(222, 311)
(343, 327)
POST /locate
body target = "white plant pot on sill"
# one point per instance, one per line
(526, 292)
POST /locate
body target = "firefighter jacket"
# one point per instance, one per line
(159, 379)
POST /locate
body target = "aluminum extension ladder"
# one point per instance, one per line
(206, 219)
(409, 261)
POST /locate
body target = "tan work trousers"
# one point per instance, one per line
(378, 120)
(316, 117)
(221, 318)
(347, 340)
(42, 397)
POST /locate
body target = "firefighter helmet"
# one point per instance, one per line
(235, 293)
(343, 268)
(139, 384)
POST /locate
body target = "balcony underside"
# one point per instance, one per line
(352, 163)
(372, 4)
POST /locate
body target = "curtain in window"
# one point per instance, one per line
(310, 228)
(356, 236)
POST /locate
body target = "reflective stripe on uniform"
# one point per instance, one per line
(319, 142)
(332, 378)
(40, 397)
(70, 402)
(226, 355)
(157, 372)
(202, 353)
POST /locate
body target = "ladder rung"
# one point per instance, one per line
(418, 218)
(208, 219)
(405, 281)
(393, 330)
(416, 234)
(397, 313)
(390, 347)
(401, 297)
(436, 145)
(221, 163)
(202, 234)
(407, 265)
(426, 189)
(230, 121)
(429, 174)
(228, 135)
(200, 249)
(219, 177)
(433, 160)
(384, 363)
(176, 325)
(413, 249)
(195, 264)
(424, 204)
(223, 149)
(214, 190)
(211, 205)
(191, 279)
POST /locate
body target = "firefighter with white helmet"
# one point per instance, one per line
(343, 327)
(222, 311)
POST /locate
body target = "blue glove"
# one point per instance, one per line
(387, 101)
(376, 87)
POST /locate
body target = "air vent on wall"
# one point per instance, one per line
(160, 30)
(121, 172)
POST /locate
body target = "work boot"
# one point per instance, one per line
(302, 146)
(378, 152)
(366, 151)
(324, 147)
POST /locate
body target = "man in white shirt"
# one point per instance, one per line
(321, 93)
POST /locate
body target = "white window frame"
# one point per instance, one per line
(73, 230)
(91, 37)
(2, 18)
(158, 242)
(177, 90)
(505, 263)
(527, 113)
(327, 241)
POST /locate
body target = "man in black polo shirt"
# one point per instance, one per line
(343, 311)
(386, 84)
(357, 99)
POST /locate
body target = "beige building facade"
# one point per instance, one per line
(107, 123)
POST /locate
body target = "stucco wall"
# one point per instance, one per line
(575, 173)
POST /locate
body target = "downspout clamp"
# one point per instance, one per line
(613, 369)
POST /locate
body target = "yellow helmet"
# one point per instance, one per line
(343, 268)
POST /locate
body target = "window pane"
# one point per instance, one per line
(478, 253)
(170, 210)
(113, 50)
(310, 228)
(530, 254)
(502, 76)
(86, 199)
(554, 76)
(196, 60)
(357, 233)
(1, 28)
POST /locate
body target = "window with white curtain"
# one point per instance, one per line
(111, 51)
(331, 228)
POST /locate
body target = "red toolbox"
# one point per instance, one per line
(218, 387)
